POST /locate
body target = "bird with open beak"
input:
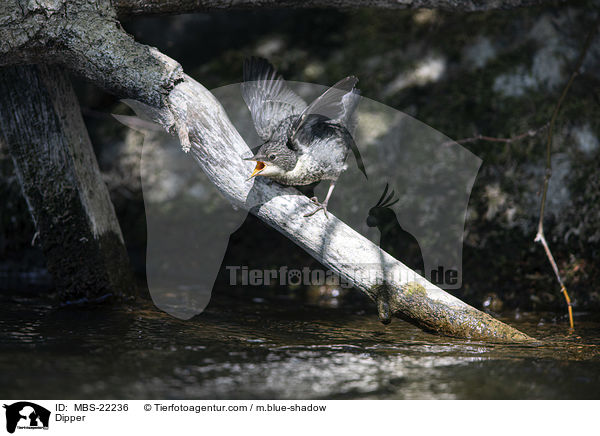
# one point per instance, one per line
(303, 143)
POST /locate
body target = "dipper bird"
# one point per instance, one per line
(303, 144)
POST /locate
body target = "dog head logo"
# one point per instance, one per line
(26, 415)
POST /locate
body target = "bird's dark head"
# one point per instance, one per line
(381, 213)
(274, 158)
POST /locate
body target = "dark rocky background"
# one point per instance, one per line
(498, 74)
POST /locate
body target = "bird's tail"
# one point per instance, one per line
(359, 162)
(350, 102)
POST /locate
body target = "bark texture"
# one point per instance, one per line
(146, 7)
(42, 128)
(85, 37)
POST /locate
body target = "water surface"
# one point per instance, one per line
(278, 347)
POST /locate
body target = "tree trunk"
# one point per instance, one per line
(46, 137)
(85, 37)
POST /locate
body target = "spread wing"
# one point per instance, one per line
(268, 97)
(337, 103)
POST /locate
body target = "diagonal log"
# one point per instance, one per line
(204, 126)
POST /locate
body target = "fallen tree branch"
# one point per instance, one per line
(219, 149)
(147, 7)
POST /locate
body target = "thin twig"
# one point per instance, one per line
(540, 237)
(480, 137)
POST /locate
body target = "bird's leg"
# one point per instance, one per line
(322, 206)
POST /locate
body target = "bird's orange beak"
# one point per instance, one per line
(259, 167)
